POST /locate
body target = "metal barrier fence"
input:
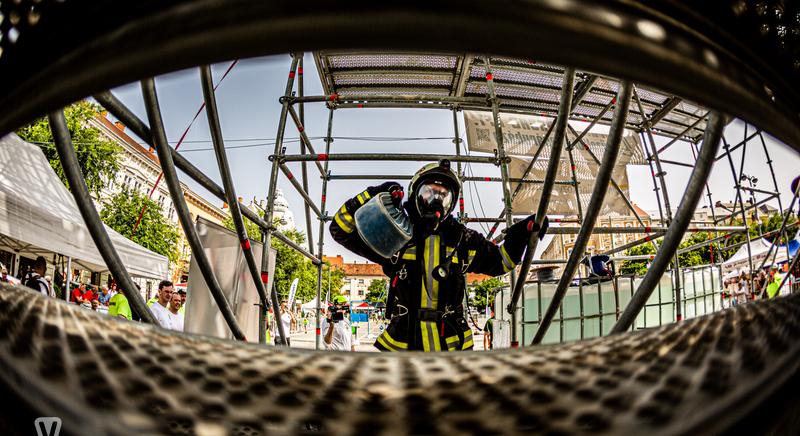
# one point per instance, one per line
(591, 309)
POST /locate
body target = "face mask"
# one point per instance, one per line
(433, 195)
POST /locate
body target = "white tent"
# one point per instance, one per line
(758, 250)
(38, 216)
(311, 306)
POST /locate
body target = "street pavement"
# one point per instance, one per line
(305, 339)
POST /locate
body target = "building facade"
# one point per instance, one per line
(358, 277)
(139, 171)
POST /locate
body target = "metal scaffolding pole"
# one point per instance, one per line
(367, 99)
(503, 162)
(665, 194)
(321, 238)
(711, 206)
(273, 185)
(635, 243)
(672, 239)
(404, 157)
(303, 165)
(69, 162)
(171, 177)
(457, 142)
(599, 191)
(680, 135)
(138, 127)
(575, 185)
(233, 204)
(559, 135)
(741, 204)
(309, 203)
(777, 190)
(463, 179)
(740, 144)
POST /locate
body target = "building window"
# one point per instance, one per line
(360, 292)
(360, 281)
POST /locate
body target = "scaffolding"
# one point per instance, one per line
(482, 83)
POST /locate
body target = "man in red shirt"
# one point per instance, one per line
(88, 296)
(77, 294)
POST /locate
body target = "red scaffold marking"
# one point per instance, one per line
(264, 277)
(323, 198)
(289, 175)
(360, 105)
(317, 332)
(300, 129)
(614, 100)
(489, 76)
(322, 156)
(334, 96)
(487, 179)
(246, 244)
(291, 74)
(300, 71)
(680, 317)
(647, 229)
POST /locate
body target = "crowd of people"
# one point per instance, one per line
(746, 287)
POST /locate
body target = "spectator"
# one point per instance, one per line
(338, 332)
(104, 297)
(95, 305)
(118, 306)
(176, 318)
(488, 332)
(160, 308)
(89, 295)
(774, 281)
(286, 319)
(741, 290)
(161, 285)
(182, 293)
(77, 294)
(4, 275)
(35, 280)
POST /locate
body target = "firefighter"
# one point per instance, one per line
(427, 274)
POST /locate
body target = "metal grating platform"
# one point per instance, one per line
(525, 86)
(105, 376)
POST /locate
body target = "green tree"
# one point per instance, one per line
(155, 232)
(376, 293)
(98, 156)
(253, 230)
(480, 290)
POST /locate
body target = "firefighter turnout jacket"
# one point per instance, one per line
(428, 314)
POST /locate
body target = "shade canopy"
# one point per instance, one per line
(39, 217)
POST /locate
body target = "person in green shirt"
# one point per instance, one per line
(118, 306)
(774, 282)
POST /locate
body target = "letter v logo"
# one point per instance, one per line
(47, 426)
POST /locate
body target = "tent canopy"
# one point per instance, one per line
(758, 249)
(39, 217)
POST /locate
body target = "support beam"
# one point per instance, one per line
(599, 191)
(399, 157)
(682, 134)
(661, 112)
(741, 204)
(320, 249)
(672, 239)
(273, 185)
(660, 174)
(303, 166)
(463, 179)
(171, 177)
(730, 150)
(305, 141)
(233, 203)
(635, 243)
(303, 193)
(559, 135)
(388, 98)
(69, 162)
(503, 162)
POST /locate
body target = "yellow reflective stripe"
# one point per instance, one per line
(471, 254)
(366, 195)
(363, 197)
(346, 215)
(508, 265)
(430, 335)
(448, 251)
(391, 344)
(468, 344)
(346, 227)
(392, 341)
(360, 199)
(409, 256)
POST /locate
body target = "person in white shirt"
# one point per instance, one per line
(338, 334)
(160, 306)
(286, 319)
(175, 316)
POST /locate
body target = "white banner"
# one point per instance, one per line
(292, 292)
(522, 138)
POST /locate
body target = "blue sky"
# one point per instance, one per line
(249, 112)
